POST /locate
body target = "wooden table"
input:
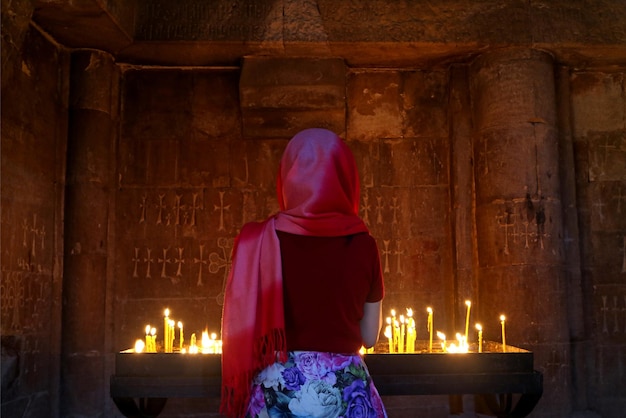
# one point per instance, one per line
(504, 384)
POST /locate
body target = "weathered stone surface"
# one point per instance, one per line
(280, 97)
(34, 129)
(451, 222)
(374, 105)
(371, 33)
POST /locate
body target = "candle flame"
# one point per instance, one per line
(468, 303)
(139, 346)
(409, 312)
(479, 327)
(502, 318)
(147, 329)
(441, 335)
(180, 324)
(429, 310)
(153, 331)
(167, 312)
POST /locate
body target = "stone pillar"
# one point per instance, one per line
(462, 179)
(519, 219)
(92, 108)
(579, 330)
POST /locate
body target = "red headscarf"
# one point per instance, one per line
(318, 193)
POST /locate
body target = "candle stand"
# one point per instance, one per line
(504, 383)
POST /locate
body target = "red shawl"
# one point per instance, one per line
(318, 193)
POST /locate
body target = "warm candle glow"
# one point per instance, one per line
(402, 334)
(480, 337)
(430, 329)
(148, 344)
(467, 318)
(389, 335)
(166, 334)
(502, 319)
(181, 338)
(460, 346)
(394, 332)
(442, 337)
(411, 332)
(207, 347)
(170, 340)
(139, 346)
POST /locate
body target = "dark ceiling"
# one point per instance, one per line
(371, 33)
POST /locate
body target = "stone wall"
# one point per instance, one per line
(190, 178)
(34, 134)
(494, 174)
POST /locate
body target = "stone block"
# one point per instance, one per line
(425, 103)
(375, 108)
(281, 96)
(597, 102)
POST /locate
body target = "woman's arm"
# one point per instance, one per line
(371, 322)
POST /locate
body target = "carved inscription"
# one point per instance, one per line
(170, 209)
(522, 223)
(613, 314)
(222, 262)
(174, 264)
(200, 20)
(25, 284)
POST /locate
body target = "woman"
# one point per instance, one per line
(304, 294)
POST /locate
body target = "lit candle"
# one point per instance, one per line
(467, 317)
(389, 334)
(193, 348)
(148, 338)
(166, 334)
(402, 334)
(411, 335)
(442, 337)
(153, 340)
(180, 328)
(139, 346)
(480, 337)
(206, 342)
(394, 331)
(172, 331)
(502, 319)
(430, 329)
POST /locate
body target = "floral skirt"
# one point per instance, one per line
(313, 384)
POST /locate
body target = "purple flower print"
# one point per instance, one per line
(257, 401)
(340, 361)
(358, 401)
(293, 378)
(314, 365)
